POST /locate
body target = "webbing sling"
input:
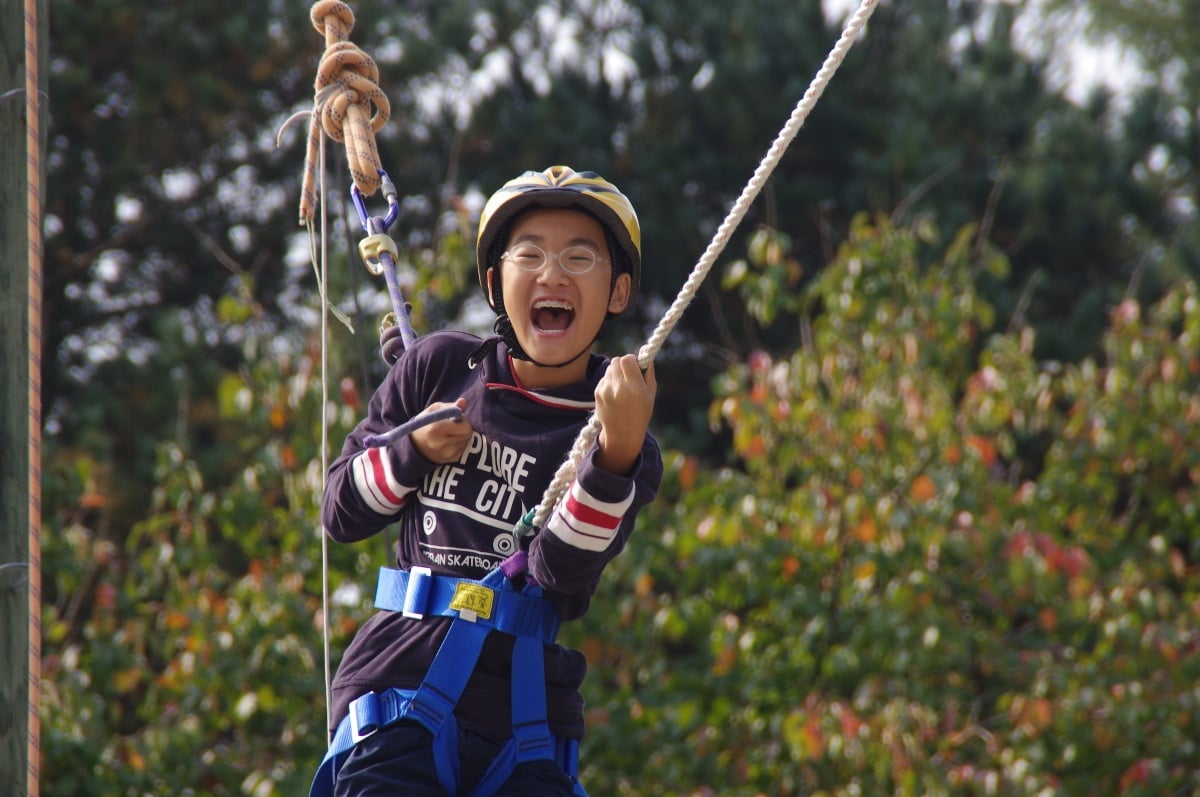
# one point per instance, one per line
(478, 607)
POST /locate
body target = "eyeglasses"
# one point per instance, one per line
(573, 259)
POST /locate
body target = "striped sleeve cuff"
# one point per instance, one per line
(377, 484)
(586, 522)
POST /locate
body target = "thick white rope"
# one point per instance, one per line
(566, 472)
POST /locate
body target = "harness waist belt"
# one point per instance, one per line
(418, 592)
(477, 608)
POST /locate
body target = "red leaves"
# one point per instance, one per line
(1072, 561)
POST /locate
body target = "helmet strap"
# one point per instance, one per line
(504, 328)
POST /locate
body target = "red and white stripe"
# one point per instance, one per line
(586, 522)
(544, 399)
(376, 483)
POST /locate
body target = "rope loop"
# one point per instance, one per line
(333, 19)
(348, 105)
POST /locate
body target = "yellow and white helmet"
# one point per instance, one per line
(561, 187)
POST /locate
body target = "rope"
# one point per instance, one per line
(323, 279)
(33, 175)
(345, 91)
(349, 106)
(566, 472)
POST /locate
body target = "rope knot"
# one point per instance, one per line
(332, 18)
(348, 105)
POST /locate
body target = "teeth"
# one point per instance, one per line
(552, 304)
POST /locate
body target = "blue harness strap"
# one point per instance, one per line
(478, 608)
(491, 602)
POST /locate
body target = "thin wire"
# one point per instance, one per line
(566, 472)
(324, 290)
(33, 173)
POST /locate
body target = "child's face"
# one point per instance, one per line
(556, 314)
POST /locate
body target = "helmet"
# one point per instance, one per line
(561, 187)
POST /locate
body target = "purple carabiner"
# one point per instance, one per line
(377, 225)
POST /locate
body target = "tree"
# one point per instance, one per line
(1158, 133)
(174, 193)
(187, 656)
(935, 565)
(183, 411)
(896, 591)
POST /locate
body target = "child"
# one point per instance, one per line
(558, 252)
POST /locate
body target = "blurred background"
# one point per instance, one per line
(932, 424)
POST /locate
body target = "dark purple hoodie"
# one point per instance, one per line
(458, 519)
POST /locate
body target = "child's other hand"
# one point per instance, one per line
(624, 404)
(443, 441)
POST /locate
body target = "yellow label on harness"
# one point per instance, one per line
(473, 598)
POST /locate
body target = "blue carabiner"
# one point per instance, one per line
(371, 225)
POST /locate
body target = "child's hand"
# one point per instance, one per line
(443, 441)
(624, 404)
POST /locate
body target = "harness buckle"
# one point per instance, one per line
(364, 716)
(416, 597)
(375, 711)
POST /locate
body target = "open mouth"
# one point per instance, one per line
(552, 315)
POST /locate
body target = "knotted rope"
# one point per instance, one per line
(349, 106)
(566, 472)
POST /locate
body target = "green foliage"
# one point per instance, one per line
(903, 589)
(939, 566)
(936, 563)
(184, 656)
(768, 279)
(173, 192)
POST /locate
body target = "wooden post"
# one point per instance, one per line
(23, 33)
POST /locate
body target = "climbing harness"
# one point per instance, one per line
(477, 608)
(345, 92)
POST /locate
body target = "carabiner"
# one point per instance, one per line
(377, 225)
